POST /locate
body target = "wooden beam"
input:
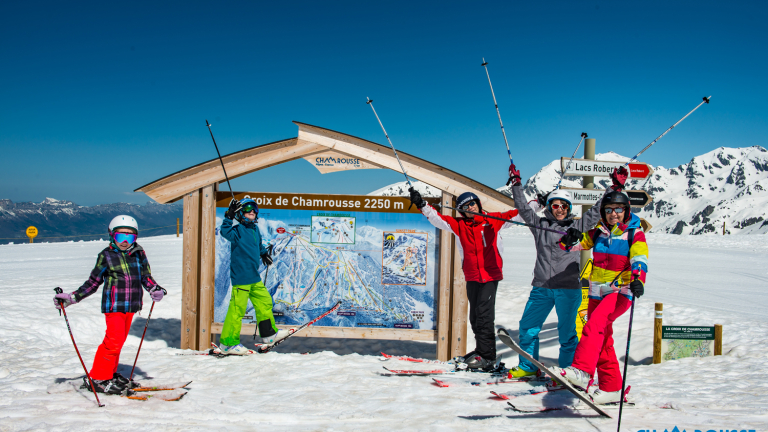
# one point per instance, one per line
(445, 280)
(207, 265)
(190, 271)
(435, 175)
(460, 306)
(345, 332)
(171, 187)
(658, 322)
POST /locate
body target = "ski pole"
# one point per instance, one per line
(370, 102)
(220, 160)
(93, 389)
(626, 361)
(505, 220)
(144, 334)
(562, 174)
(485, 65)
(705, 100)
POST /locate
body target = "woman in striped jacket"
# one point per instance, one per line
(620, 255)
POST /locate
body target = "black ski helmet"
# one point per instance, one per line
(616, 198)
(467, 197)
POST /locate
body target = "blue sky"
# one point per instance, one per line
(101, 98)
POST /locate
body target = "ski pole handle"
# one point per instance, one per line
(59, 291)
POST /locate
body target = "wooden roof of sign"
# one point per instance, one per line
(317, 140)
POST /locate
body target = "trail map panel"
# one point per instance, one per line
(333, 230)
(404, 258)
(328, 248)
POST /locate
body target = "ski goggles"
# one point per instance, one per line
(124, 237)
(468, 205)
(249, 207)
(559, 206)
(618, 211)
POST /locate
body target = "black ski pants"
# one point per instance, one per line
(482, 307)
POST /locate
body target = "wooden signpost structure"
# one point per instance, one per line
(197, 187)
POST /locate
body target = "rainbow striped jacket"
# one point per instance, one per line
(613, 258)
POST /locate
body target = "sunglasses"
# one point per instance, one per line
(249, 208)
(559, 206)
(609, 210)
(124, 237)
(468, 205)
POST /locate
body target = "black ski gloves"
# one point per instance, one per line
(266, 259)
(542, 199)
(572, 238)
(514, 176)
(234, 207)
(619, 177)
(416, 198)
(637, 288)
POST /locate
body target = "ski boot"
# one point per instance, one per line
(577, 377)
(238, 349)
(125, 382)
(280, 335)
(600, 397)
(479, 362)
(109, 386)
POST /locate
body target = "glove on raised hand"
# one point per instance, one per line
(157, 293)
(619, 178)
(234, 207)
(514, 176)
(637, 288)
(542, 199)
(416, 198)
(63, 300)
(571, 238)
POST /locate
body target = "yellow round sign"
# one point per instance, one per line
(31, 232)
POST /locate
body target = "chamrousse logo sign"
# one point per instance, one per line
(676, 429)
(332, 161)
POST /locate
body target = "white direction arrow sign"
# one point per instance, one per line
(637, 198)
(586, 167)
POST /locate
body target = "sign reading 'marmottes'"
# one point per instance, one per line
(637, 198)
(586, 167)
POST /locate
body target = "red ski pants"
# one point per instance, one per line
(595, 349)
(108, 354)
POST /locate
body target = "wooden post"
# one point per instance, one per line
(723, 227)
(718, 339)
(444, 287)
(177, 227)
(190, 270)
(207, 266)
(459, 307)
(657, 323)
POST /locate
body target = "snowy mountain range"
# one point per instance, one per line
(726, 185)
(67, 221)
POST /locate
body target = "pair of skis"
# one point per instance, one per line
(165, 391)
(215, 350)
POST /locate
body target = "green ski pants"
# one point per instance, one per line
(238, 303)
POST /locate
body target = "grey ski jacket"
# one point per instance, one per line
(555, 268)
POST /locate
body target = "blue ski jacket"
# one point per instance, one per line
(245, 251)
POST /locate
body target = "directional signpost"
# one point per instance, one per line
(596, 168)
(637, 198)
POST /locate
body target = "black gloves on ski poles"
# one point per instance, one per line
(619, 177)
(234, 207)
(571, 238)
(266, 259)
(636, 287)
(416, 198)
(514, 176)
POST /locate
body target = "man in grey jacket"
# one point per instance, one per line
(555, 275)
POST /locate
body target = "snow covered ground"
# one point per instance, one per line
(702, 280)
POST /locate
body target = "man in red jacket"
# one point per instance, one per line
(480, 244)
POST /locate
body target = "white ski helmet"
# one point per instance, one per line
(123, 221)
(563, 195)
